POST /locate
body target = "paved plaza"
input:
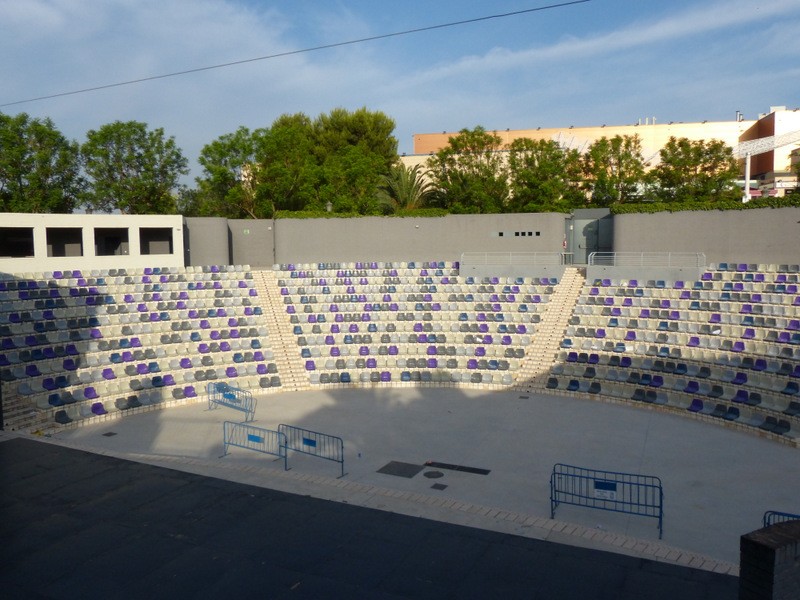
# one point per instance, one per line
(438, 531)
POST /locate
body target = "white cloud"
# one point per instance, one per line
(616, 73)
(693, 22)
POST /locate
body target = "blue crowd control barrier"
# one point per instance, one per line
(607, 490)
(773, 516)
(314, 443)
(250, 437)
(222, 394)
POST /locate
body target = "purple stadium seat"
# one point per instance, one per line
(692, 387)
(696, 405)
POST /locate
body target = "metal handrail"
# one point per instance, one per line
(513, 258)
(647, 259)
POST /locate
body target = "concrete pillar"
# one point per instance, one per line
(769, 567)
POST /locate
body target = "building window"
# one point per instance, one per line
(155, 240)
(16, 242)
(64, 241)
(111, 241)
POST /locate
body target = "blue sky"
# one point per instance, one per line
(603, 61)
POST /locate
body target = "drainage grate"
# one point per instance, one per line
(433, 474)
(438, 486)
(474, 470)
(109, 434)
(400, 469)
(524, 397)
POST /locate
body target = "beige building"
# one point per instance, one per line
(770, 168)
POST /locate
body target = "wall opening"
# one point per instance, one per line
(111, 241)
(64, 241)
(16, 242)
(155, 240)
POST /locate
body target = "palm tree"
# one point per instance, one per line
(404, 188)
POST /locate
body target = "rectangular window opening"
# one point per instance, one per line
(155, 240)
(64, 241)
(111, 241)
(16, 242)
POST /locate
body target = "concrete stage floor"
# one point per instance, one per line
(93, 523)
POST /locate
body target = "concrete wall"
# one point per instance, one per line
(767, 235)
(252, 242)
(207, 241)
(392, 238)
(87, 224)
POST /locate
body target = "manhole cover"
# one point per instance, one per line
(400, 469)
(433, 474)
(524, 397)
(109, 434)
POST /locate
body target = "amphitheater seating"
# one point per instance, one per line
(409, 323)
(90, 339)
(79, 346)
(723, 346)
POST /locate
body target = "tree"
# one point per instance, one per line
(543, 176)
(470, 173)
(39, 167)
(341, 129)
(796, 165)
(286, 172)
(696, 171)
(614, 170)
(298, 164)
(226, 188)
(405, 188)
(131, 169)
(354, 151)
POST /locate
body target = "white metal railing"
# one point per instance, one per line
(512, 258)
(647, 259)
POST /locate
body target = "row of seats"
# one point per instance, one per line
(444, 329)
(123, 334)
(453, 317)
(689, 344)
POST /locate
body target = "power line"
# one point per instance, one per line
(294, 52)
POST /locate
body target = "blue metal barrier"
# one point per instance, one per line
(222, 394)
(254, 438)
(607, 490)
(314, 443)
(773, 516)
